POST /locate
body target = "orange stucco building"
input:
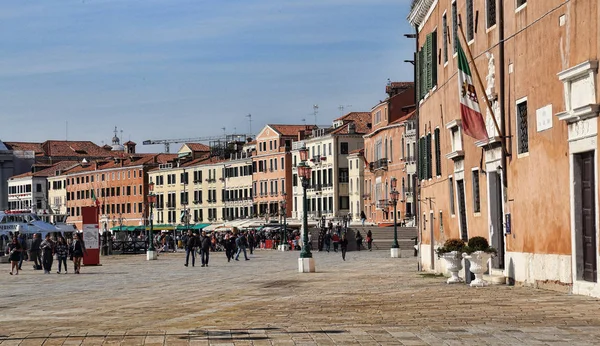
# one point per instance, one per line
(537, 202)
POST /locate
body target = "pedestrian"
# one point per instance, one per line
(34, 252)
(359, 240)
(344, 246)
(62, 251)
(363, 218)
(335, 238)
(23, 242)
(14, 255)
(47, 248)
(229, 246)
(78, 249)
(327, 241)
(241, 243)
(205, 249)
(190, 248)
(251, 242)
(369, 239)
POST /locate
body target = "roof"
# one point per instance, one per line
(49, 171)
(25, 146)
(358, 151)
(253, 142)
(128, 161)
(359, 119)
(291, 130)
(197, 146)
(403, 118)
(398, 86)
(56, 148)
(129, 143)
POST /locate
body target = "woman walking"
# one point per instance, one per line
(78, 251)
(344, 246)
(62, 251)
(14, 255)
(359, 240)
(369, 239)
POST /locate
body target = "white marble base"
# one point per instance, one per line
(395, 253)
(282, 248)
(151, 255)
(306, 265)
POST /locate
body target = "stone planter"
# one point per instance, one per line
(479, 260)
(454, 265)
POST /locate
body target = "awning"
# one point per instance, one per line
(164, 227)
(200, 226)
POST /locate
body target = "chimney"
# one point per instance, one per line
(300, 135)
(130, 147)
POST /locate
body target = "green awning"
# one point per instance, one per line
(163, 227)
(200, 226)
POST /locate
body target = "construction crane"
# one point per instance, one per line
(167, 142)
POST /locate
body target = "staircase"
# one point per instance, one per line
(383, 237)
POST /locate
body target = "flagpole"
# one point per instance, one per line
(487, 100)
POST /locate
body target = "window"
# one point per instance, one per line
(377, 117)
(275, 164)
(522, 130)
(445, 38)
(454, 28)
(490, 13)
(282, 165)
(438, 152)
(344, 202)
(427, 65)
(521, 3)
(428, 156)
(38, 188)
(282, 186)
(391, 156)
(476, 199)
(270, 145)
(343, 172)
(470, 33)
(330, 149)
(344, 148)
(451, 189)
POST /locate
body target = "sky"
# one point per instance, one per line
(168, 69)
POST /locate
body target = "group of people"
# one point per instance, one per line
(42, 252)
(234, 243)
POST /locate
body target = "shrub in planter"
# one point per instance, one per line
(479, 244)
(451, 245)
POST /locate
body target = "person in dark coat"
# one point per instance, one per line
(47, 248)
(14, 255)
(344, 246)
(34, 252)
(251, 242)
(359, 240)
(241, 243)
(229, 246)
(369, 239)
(204, 249)
(191, 244)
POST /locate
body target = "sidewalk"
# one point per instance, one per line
(370, 299)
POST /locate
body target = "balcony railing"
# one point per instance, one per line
(382, 204)
(170, 205)
(378, 164)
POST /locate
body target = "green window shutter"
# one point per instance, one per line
(423, 77)
(434, 65)
(418, 74)
(428, 67)
(421, 159)
(428, 153)
(438, 153)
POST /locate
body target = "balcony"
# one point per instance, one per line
(381, 164)
(170, 205)
(318, 159)
(211, 180)
(197, 202)
(382, 204)
(366, 196)
(159, 206)
(408, 159)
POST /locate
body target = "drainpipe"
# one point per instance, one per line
(501, 96)
(417, 186)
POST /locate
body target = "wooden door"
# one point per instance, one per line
(462, 211)
(496, 222)
(588, 215)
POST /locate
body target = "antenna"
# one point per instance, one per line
(315, 111)
(342, 107)
(249, 116)
(224, 133)
(66, 130)
(121, 136)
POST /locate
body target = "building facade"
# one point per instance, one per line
(531, 188)
(238, 187)
(356, 169)
(272, 168)
(328, 149)
(384, 154)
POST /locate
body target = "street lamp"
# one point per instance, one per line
(395, 249)
(306, 262)
(282, 207)
(151, 199)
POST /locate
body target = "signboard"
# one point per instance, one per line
(507, 224)
(544, 118)
(90, 236)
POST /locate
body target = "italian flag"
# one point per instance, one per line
(470, 114)
(95, 200)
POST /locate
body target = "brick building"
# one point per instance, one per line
(537, 201)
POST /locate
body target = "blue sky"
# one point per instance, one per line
(186, 68)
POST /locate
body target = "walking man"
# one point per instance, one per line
(204, 249)
(47, 247)
(241, 244)
(344, 246)
(190, 248)
(35, 251)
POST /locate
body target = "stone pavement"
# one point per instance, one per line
(370, 299)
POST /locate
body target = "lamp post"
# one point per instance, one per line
(306, 263)
(151, 199)
(282, 207)
(395, 249)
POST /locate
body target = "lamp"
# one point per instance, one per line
(151, 199)
(395, 249)
(306, 262)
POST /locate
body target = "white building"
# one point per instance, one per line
(329, 192)
(356, 169)
(238, 186)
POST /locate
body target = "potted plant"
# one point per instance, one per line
(478, 252)
(451, 252)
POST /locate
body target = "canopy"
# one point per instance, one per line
(200, 226)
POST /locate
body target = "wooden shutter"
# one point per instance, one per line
(428, 62)
(433, 57)
(422, 73)
(428, 153)
(421, 163)
(438, 153)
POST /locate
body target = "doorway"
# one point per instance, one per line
(585, 216)
(462, 211)
(496, 216)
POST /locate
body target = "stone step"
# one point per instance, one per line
(495, 279)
